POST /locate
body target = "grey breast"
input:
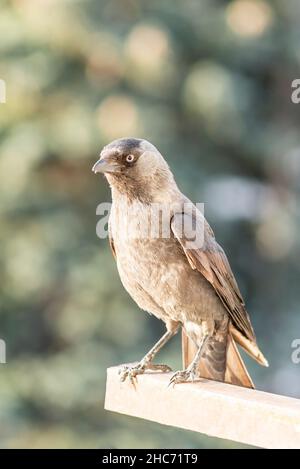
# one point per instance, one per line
(159, 278)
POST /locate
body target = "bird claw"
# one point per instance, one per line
(182, 377)
(131, 372)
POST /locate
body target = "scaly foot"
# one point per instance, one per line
(183, 377)
(131, 372)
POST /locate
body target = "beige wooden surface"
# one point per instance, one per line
(216, 409)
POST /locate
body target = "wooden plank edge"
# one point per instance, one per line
(216, 409)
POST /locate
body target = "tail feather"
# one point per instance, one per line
(236, 371)
(222, 360)
(250, 347)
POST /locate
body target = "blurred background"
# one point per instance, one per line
(209, 83)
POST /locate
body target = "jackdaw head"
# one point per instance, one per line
(134, 166)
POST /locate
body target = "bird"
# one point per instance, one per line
(176, 272)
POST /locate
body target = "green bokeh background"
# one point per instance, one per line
(209, 83)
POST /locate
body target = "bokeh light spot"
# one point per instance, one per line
(118, 116)
(249, 18)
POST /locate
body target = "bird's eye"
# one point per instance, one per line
(130, 158)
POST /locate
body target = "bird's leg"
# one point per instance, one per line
(191, 371)
(131, 372)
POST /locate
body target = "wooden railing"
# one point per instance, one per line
(216, 409)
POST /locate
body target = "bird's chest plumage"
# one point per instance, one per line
(154, 269)
(143, 259)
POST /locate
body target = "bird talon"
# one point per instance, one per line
(182, 377)
(131, 372)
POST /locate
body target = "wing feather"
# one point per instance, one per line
(211, 261)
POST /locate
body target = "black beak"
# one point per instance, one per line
(105, 166)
